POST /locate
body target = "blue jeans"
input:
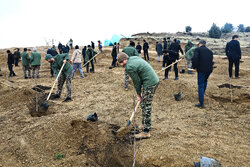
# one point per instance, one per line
(202, 85)
(77, 66)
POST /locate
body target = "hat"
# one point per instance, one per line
(122, 56)
(203, 42)
(34, 49)
(48, 56)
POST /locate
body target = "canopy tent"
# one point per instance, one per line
(115, 38)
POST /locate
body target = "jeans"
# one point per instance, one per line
(114, 60)
(77, 66)
(16, 61)
(12, 73)
(230, 67)
(202, 85)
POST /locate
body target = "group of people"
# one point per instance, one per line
(146, 81)
(30, 61)
(144, 78)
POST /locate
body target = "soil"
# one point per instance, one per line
(180, 132)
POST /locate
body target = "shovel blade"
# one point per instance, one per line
(44, 106)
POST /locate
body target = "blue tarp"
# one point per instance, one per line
(115, 38)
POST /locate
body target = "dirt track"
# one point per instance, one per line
(181, 133)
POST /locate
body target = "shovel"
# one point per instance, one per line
(90, 59)
(124, 130)
(45, 105)
(169, 65)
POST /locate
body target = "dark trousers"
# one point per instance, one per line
(168, 69)
(92, 64)
(230, 67)
(202, 85)
(12, 73)
(114, 61)
(16, 61)
(145, 52)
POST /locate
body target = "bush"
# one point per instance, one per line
(247, 29)
(227, 28)
(214, 31)
(241, 28)
(188, 29)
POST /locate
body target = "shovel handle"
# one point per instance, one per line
(133, 114)
(55, 81)
(90, 59)
(169, 65)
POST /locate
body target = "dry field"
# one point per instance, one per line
(181, 133)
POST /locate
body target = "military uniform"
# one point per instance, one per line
(35, 59)
(145, 82)
(66, 74)
(26, 64)
(130, 51)
(189, 55)
(89, 54)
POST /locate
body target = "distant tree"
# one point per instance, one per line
(188, 28)
(247, 29)
(227, 28)
(214, 31)
(241, 28)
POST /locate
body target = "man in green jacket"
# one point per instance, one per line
(130, 51)
(35, 60)
(66, 74)
(145, 82)
(188, 46)
(89, 54)
(25, 63)
(189, 55)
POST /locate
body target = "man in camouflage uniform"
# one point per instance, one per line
(66, 74)
(130, 51)
(26, 63)
(189, 55)
(35, 60)
(90, 52)
(145, 82)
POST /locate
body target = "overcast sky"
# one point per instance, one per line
(32, 22)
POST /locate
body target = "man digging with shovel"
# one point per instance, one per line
(66, 75)
(145, 82)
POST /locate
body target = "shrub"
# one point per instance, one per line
(241, 28)
(188, 28)
(214, 31)
(227, 28)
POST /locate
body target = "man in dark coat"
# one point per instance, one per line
(114, 55)
(145, 50)
(138, 48)
(202, 61)
(233, 53)
(17, 56)
(176, 47)
(165, 43)
(158, 49)
(93, 45)
(60, 46)
(10, 63)
(53, 53)
(169, 57)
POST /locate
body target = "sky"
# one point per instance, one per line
(30, 23)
